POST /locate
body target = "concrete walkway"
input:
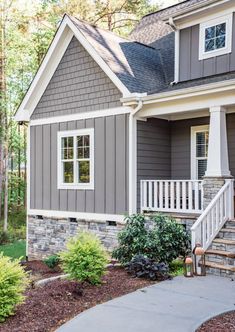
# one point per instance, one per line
(178, 305)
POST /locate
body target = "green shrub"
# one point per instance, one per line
(13, 282)
(4, 237)
(85, 258)
(52, 261)
(162, 240)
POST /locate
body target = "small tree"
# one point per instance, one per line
(85, 259)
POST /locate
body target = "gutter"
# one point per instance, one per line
(184, 92)
(177, 50)
(133, 155)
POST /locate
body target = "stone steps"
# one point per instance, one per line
(220, 257)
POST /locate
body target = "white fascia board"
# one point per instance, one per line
(81, 116)
(198, 8)
(184, 93)
(204, 15)
(78, 215)
(45, 72)
(49, 64)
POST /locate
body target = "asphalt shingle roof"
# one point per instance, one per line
(138, 66)
(145, 63)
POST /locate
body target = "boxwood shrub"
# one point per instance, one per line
(84, 259)
(160, 238)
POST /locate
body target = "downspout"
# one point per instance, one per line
(133, 157)
(177, 41)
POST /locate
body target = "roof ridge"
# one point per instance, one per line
(98, 28)
(164, 9)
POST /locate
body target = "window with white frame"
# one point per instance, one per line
(215, 37)
(76, 159)
(199, 151)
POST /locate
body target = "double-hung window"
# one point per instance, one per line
(215, 37)
(76, 159)
(199, 151)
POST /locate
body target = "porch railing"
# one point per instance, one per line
(185, 196)
(214, 216)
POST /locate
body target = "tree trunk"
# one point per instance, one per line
(2, 95)
(6, 188)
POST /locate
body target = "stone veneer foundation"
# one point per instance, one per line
(47, 236)
(211, 186)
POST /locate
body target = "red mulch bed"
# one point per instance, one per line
(41, 270)
(50, 306)
(221, 323)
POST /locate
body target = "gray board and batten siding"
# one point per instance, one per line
(110, 195)
(153, 151)
(164, 149)
(78, 85)
(191, 67)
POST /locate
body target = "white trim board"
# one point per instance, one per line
(78, 215)
(194, 130)
(228, 20)
(81, 116)
(206, 12)
(64, 34)
(75, 185)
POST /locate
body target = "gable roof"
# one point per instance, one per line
(138, 66)
(132, 66)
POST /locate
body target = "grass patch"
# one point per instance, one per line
(176, 268)
(16, 249)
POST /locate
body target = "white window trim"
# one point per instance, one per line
(194, 130)
(228, 19)
(78, 132)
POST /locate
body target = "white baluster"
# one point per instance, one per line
(178, 195)
(166, 195)
(184, 198)
(150, 195)
(160, 194)
(196, 204)
(172, 198)
(190, 197)
(145, 195)
(155, 206)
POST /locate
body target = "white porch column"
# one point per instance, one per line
(217, 162)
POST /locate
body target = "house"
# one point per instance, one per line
(117, 126)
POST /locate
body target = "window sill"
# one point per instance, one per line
(213, 54)
(66, 186)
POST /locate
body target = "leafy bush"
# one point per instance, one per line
(13, 282)
(162, 239)
(144, 267)
(52, 261)
(85, 258)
